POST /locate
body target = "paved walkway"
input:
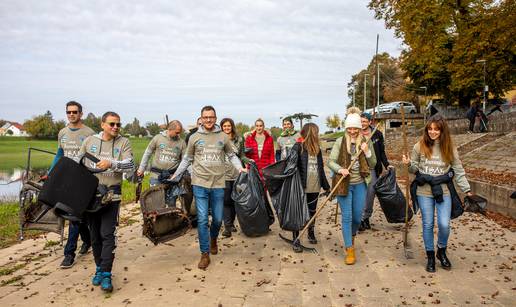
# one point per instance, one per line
(265, 271)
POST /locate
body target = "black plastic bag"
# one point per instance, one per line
(391, 198)
(288, 196)
(253, 211)
(475, 203)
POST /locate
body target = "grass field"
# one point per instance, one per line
(13, 152)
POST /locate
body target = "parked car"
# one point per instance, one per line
(395, 107)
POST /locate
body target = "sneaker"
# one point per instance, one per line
(97, 278)
(106, 284)
(68, 262)
(233, 229)
(84, 249)
(362, 226)
(227, 232)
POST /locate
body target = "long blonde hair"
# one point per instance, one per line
(310, 134)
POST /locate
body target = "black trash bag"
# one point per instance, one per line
(286, 190)
(252, 208)
(391, 198)
(475, 203)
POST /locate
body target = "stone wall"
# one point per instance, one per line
(498, 197)
(498, 122)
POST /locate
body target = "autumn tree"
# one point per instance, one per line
(43, 126)
(93, 122)
(446, 39)
(333, 121)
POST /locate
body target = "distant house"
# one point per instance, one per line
(13, 129)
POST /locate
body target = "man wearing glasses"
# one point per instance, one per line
(69, 140)
(166, 149)
(116, 157)
(206, 151)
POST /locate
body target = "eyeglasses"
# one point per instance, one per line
(72, 112)
(118, 125)
(209, 117)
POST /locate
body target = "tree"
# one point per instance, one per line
(275, 132)
(333, 121)
(42, 126)
(445, 40)
(393, 84)
(2, 122)
(93, 122)
(134, 128)
(242, 128)
(153, 128)
(299, 117)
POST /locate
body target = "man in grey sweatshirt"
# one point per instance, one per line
(206, 152)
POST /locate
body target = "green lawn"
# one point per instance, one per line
(13, 151)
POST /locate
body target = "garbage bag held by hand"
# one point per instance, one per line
(252, 208)
(288, 196)
(391, 198)
(475, 203)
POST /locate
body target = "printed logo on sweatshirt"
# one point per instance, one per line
(116, 151)
(162, 146)
(93, 148)
(64, 139)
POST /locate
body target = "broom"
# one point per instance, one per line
(407, 246)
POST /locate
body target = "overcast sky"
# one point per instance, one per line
(248, 59)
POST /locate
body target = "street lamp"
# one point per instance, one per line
(485, 86)
(365, 90)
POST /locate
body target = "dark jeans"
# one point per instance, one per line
(311, 200)
(103, 235)
(229, 205)
(370, 194)
(471, 124)
(74, 230)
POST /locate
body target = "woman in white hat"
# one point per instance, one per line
(352, 191)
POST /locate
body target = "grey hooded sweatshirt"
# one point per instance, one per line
(118, 151)
(206, 152)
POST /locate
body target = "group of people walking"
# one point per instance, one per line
(213, 156)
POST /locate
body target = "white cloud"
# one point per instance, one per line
(248, 58)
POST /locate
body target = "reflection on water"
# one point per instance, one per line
(10, 184)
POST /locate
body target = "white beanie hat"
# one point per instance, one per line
(353, 121)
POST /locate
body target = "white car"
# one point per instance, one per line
(395, 107)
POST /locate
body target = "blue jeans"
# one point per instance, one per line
(74, 230)
(352, 207)
(170, 200)
(427, 205)
(204, 198)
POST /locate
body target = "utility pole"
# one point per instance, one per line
(485, 89)
(354, 85)
(377, 74)
(365, 91)
(424, 110)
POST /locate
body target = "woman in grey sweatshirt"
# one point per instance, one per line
(434, 155)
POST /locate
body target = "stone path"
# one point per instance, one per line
(265, 271)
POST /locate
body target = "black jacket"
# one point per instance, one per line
(302, 166)
(437, 192)
(379, 151)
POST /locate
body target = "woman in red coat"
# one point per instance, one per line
(261, 146)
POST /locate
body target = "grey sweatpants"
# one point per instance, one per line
(369, 202)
